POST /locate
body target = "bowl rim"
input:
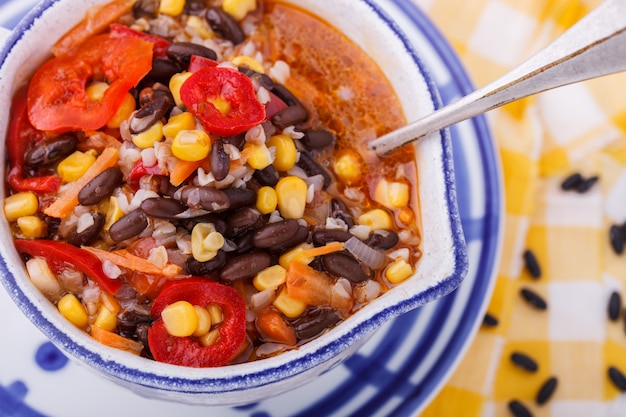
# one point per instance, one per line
(316, 353)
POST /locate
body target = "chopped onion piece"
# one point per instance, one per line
(369, 256)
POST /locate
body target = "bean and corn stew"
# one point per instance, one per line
(189, 181)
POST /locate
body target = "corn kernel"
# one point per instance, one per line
(171, 7)
(106, 319)
(217, 315)
(199, 25)
(289, 306)
(175, 83)
(114, 212)
(95, 91)
(31, 226)
(248, 62)
(181, 121)
(291, 192)
(376, 219)
(149, 137)
(210, 338)
(258, 156)
(43, 278)
(126, 108)
(204, 321)
(271, 277)
(238, 8)
(392, 194)
(222, 105)
(286, 153)
(266, 199)
(180, 319)
(72, 309)
(348, 167)
(74, 166)
(398, 271)
(293, 255)
(191, 145)
(205, 241)
(20, 204)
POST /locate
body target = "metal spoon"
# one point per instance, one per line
(595, 46)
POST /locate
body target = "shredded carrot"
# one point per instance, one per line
(273, 327)
(308, 285)
(115, 340)
(125, 259)
(96, 20)
(322, 250)
(66, 202)
(182, 170)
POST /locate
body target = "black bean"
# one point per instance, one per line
(181, 52)
(127, 322)
(534, 299)
(273, 234)
(245, 266)
(586, 185)
(524, 361)
(162, 70)
(572, 182)
(159, 103)
(219, 159)
(518, 409)
(339, 210)
(616, 238)
(207, 198)
(197, 268)
(317, 139)
(146, 8)
(240, 197)
(263, 79)
(490, 321)
(225, 25)
(382, 239)
(51, 150)
(315, 323)
(244, 242)
(286, 95)
(90, 234)
(615, 306)
(141, 334)
(301, 235)
(290, 116)
(321, 237)
(101, 187)
(162, 207)
(129, 226)
(243, 220)
(213, 218)
(267, 176)
(195, 7)
(312, 168)
(531, 264)
(546, 390)
(342, 265)
(617, 378)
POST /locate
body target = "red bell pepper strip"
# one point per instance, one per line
(187, 351)
(139, 170)
(159, 45)
(274, 106)
(226, 86)
(57, 100)
(21, 136)
(60, 255)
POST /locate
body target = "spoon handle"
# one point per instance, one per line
(595, 46)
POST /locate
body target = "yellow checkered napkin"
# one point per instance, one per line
(542, 140)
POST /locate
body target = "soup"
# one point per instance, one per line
(190, 182)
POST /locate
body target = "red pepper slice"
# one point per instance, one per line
(21, 135)
(139, 170)
(232, 88)
(159, 45)
(60, 254)
(57, 100)
(187, 351)
(196, 63)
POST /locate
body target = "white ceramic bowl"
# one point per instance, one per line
(441, 269)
